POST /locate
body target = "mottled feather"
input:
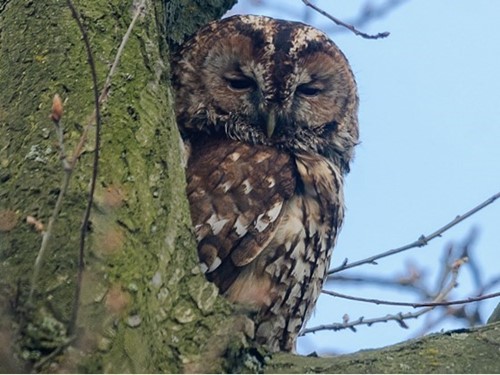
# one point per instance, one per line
(268, 111)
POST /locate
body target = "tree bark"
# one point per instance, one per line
(144, 305)
(460, 351)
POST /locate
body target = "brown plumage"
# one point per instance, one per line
(268, 111)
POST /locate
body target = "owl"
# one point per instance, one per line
(267, 109)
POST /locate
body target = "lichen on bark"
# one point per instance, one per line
(144, 307)
(460, 351)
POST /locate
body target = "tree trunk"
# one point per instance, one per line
(144, 306)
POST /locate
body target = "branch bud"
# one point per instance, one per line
(57, 109)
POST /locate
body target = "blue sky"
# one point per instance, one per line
(430, 131)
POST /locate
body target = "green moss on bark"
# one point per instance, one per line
(145, 306)
(184, 17)
(459, 351)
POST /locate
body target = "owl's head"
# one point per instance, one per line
(267, 81)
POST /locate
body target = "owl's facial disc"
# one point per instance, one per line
(265, 81)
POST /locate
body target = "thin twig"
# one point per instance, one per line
(467, 251)
(463, 253)
(86, 216)
(107, 84)
(422, 241)
(69, 164)
(400, 317)
(37, 366)
(490, 284)
(98, 100)
(443, 274)
(398, 283)
(373, 11)
(413, 304)
(55, 116)
(48, 232)
(385, 34)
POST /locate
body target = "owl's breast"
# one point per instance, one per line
(266, 222)
(236, 193)
(286, 279)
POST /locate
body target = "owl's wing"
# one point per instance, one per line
(236, 193)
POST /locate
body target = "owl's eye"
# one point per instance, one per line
(239, 82)
(308, 89)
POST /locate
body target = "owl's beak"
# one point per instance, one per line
(271, 123)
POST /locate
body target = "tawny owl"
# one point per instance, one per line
(268, 111)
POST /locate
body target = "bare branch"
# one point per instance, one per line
(387, 282)
(90, 199)
(107, 84)
(47, 234)
(413, 304)
(384, 34)
(420, 242)
(371, 11)
(490, 284)
(69, 164)
(56, 115)
(399, 318)
(98, 100)
(412, 280)
(37, 366)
